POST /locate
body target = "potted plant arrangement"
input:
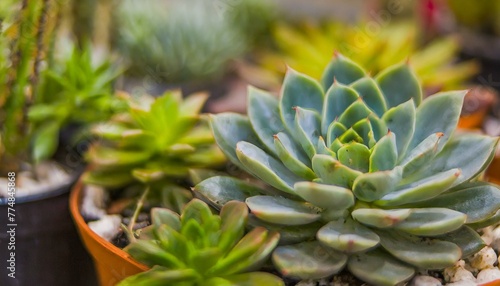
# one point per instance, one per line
(354, 173)
(144, 155)
(40, 95)
(361, 173)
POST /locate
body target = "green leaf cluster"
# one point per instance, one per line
(200, 248)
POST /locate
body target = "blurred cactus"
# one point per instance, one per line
(309, 48)
(25, 38)
(186, 40)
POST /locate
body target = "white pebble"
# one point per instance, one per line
(93, 202)
(485, 258)
(107, 227)
(488, 275)
(488, 236)
(424, 280)
(458, 273)
(495, 244)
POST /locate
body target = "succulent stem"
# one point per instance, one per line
(140, 203)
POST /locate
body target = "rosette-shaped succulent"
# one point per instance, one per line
(362, 174)
(200, 248)
(155, 143)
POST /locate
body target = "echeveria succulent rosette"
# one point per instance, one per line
(362, 173)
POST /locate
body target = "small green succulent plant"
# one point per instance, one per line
(73, 90)
(200, 248)
(362, 174)
(155, 142)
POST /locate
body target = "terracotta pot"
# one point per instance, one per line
(493, 171)
(48, 251)
(112, 264)
(492, 283)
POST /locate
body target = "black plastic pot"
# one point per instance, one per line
(48, 250)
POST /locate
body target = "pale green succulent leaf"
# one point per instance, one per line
(263, 112)
(355, 156)
(196, 210)
(308, 260)
(364, 129)
(380, 218)
(466, 238)
(289, 234)
(323, 149)
(159, 276)
(350, 136)
(204, 259)
(379, 127)
(457, 154)
(379, 268)
(247, 246)
(422, 190)
(192, 104)
(325, 196)
(371, 94)
(338, 98)
(172, 241)
(307, 129)
(105, 157)
(109, 131)
(199, 175)
(148, 175)
(292, 157)
(401, 121)
(336, 145)
(265, 167)
(384, 154)
(492, 220)
(432, 221)
(335, 130)
(399, 84)
(424, 253)
(257, 258)
(150, 253)
(418, 157)
(138, 138)
(161, 216)
(299, 91)
(370, 187)
(219, 190)
(108, 179)
(45, 141)
(254, 279)
(354, 113)
(331, 171)
(347, 236)
(234, 217)
(342, 70)
(478, 201)
(282, 211)
(438, 113)
(229, 129)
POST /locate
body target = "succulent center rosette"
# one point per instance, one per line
(362, 174)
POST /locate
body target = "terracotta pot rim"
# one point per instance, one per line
(74, 205)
